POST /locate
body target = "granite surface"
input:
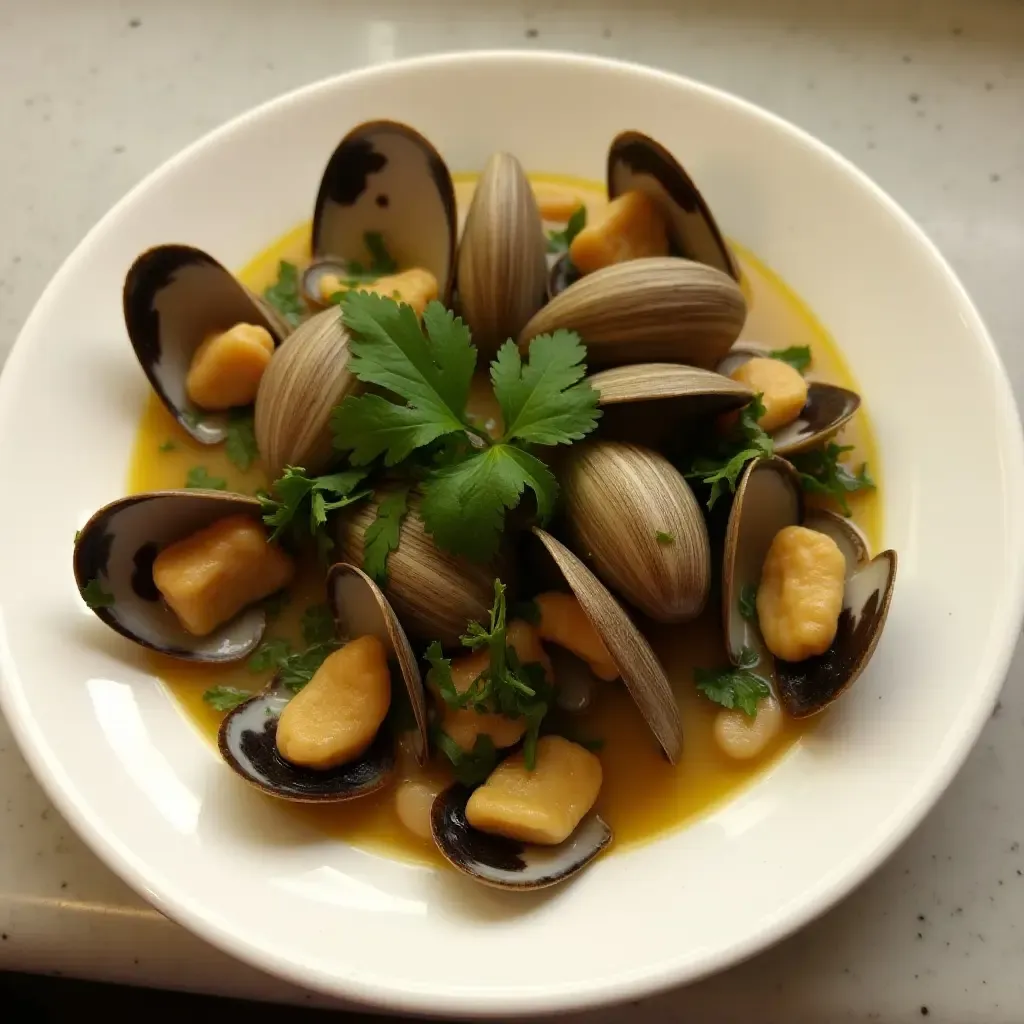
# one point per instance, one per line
(927, 97)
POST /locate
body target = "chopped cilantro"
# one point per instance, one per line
(471, 767)
(734, 687)
(798, 356)
(168, 446)
(665, 538)
(199, 476)
(822, 473)
(318, 625)
(78, 536)
(95, 596)
(382, 535)
(240, 444)
(748, 602)
(559, 241)
(269, 654)
(225, 698)
(285, 295)
(293, 668)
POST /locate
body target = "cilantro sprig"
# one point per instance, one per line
(428, 370)
(200, 477)
(240, 443)
(720, 464)
(734, 687)
(559, 241)
(382, 535)
(821, 472)
(95, 595)
(225, 698)
(748, 602)
(797, 356)
(285, 295)
(471, 767)
(506, 686)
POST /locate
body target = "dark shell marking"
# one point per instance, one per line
(118, 547)
(637, 162)
(248, 743)
(175, 296)
(417, 221)
(506, 863)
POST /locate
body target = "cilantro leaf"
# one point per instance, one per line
(559, 241)
(748, 602)
(318, 625)
(721, 464)
(821, 472)
(464, 505)
(382, 535)
(168, 446)
(381, 262)
(546, 401)
(470, 767)
(665, 538)
(240, 443)
(798, 356)
(95, 596)
(734, 687)
(298, 669)
(225, 698)
(270, 654)
(431, 371)
(199, 476)
(293, 496)
(285, 295)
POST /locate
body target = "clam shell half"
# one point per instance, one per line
(118, 545)
(174, 298)
(506, 863)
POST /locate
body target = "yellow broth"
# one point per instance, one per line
(642, 796)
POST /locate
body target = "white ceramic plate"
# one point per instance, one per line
(151, 797)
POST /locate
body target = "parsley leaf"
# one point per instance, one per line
(168, 446)
(382, 535)
(798, 356)
(225, 698)
(270, 654)
(199, 476)
(295, 496)
(298, 669)
(748, 602)
(734, 687)
(559, 241)
(464, 505)
(665, 538)
(723, 462)
(822, 473)
(471, 767)
(286, 294)
(95, 596)
(381, 262)
(240, 444)
(547, 401)
(318, 625)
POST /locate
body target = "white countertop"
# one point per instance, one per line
(927, 97)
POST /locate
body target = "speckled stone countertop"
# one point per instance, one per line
(926, 95)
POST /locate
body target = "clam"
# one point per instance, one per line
(385, 179)
(433, 593)
(640, 526)
(637, 663)
(307, 377)
(248, 734)
(769, 498)
(506, 863)
(827, 410)
(175, 297)
(647, 310)
(502, 262)
(637, 162)
(118, 546)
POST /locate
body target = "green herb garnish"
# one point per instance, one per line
(192, 418)
(748, 602)
(269, 654)
(95, 596)
(382, 535)
(472, 767)
(734, 687)
(240, 443)
(318, 625)
(225, 698)
(285, 295)
(665, 538)
(429, 369)
(293, 668)
(822, 473)
(199, 476)
(798, 356)
(722, 463)
(559, 241)
(168, 446)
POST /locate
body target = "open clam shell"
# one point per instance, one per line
(637, 163)
(174, 298)
(647, 310)
(506, 863)
(768, 498)
(386, 178)
(360, 608)
(643, 532)
(118, 545)
(637, 663)
(305, 380)
(502, 262)
(827, 410)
